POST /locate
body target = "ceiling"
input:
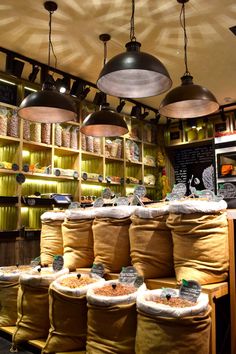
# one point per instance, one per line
(77, 24)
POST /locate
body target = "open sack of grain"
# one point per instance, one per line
(111, 237)
(171, 324)
(200, 238)
(68, 312)
(9, 284)
(78, 238)
(51, 243)
(151, 246)
(33, 304)
(112, 318)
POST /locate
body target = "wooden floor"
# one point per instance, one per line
(36, 343)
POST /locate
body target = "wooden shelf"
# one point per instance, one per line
(33, 146)
(134, 162)
(62, 151)
(91, 155)
(149, 144)
(7, 140)
(116, 159)
(8, 172)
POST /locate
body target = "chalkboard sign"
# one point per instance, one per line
(8, 93)
(194, 167)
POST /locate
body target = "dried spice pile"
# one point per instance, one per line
(116, 289)
(174, 301)
(14, 269)
(75, 282)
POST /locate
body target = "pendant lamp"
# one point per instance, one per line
(134, 74)
(188, 100)
(48, 105)
(104, 122)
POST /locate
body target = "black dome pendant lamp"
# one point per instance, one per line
(104, 122)
(134, 74)
(48, 105)
(188, 100)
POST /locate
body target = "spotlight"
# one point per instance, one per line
(136, 111)
(144, 115)
(99, 98)
(34, 73)
(157, 117)
(222, 115)
(84, 93)
(120, 106)
(63, 85)
(79, 89)
(14, 67)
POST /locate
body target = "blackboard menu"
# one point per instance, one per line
(194, 167)
(8, 93)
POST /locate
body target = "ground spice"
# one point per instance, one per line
(75, 282)
(14, 269)
(173, 302)
(116, 289)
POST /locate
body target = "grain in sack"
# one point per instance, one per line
(200, 238)
(151, 246)
(78, 238)
(111, 237)
(112, 318)
(51, 242)
(68, 293)
(9, 284)
(33, 304)
(164, 328)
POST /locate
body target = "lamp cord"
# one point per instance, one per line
(50, 44)
(183, 25)
(132, 34)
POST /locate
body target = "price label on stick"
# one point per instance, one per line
(140, 191)
(190, 290)
(35, 262)
(58, 262)
(128, 275)
(98, 269)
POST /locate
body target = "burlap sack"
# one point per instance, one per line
(67, 332)
(51, 236)
(78, 239)
(33, 306)
(8, 302)
(111, 237)
(167, 329)
(33, 317)
(111, 330)
(151, 246)
(112, 322)
(200, 246)
(164, 335)
(68, 322)
(9, 284)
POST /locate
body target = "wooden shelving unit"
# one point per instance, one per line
(58, 166)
